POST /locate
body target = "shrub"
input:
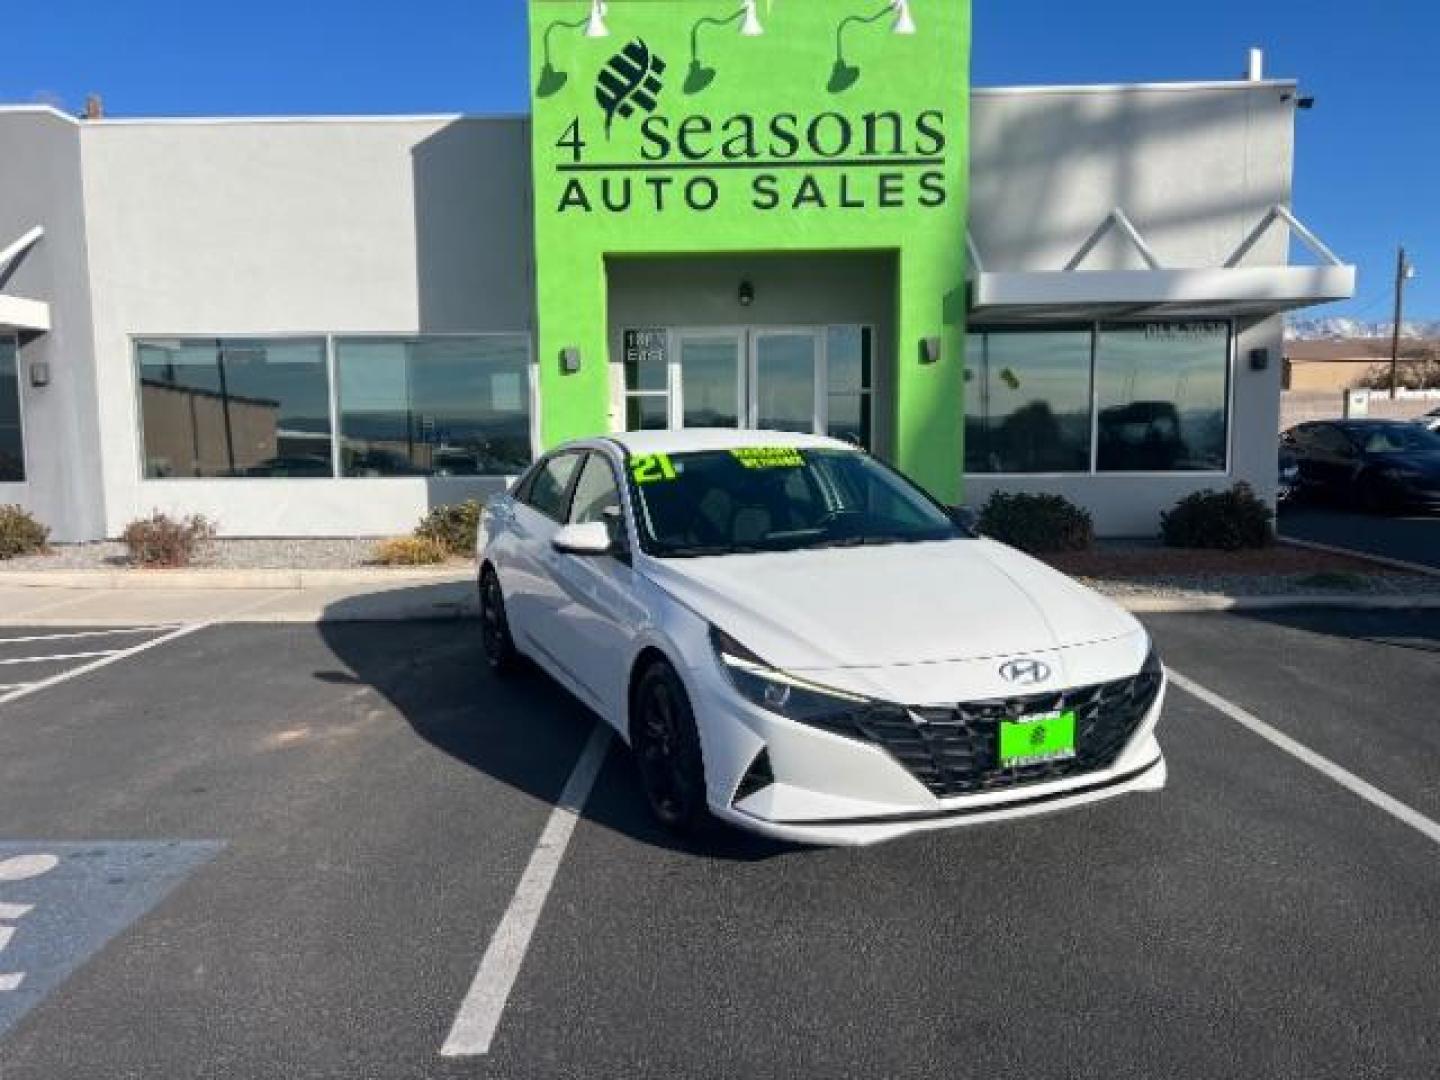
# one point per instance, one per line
(1036, 523)
(411, 551)
(454, 527)
(163, 542)
(20, 533)
(1227, 520)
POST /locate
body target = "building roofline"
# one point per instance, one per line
(524, 117)
(318, 118)
(39, 110)
(1136, 88)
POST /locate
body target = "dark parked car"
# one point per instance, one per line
(1375, 464)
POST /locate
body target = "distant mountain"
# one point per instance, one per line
(1336, 328)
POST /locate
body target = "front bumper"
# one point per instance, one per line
(823, 787)
(967, 810)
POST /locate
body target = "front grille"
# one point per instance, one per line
(955, 750)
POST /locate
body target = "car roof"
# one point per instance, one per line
(689, 440)
(1370, 425)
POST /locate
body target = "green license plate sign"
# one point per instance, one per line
(1031, 740)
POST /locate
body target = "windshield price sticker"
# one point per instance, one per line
(769, 457)
(1033, 740)
(651, 468)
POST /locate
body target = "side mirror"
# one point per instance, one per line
(966, 518)
(588, 539)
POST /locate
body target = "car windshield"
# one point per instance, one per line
(726, 502)
(1399, 439)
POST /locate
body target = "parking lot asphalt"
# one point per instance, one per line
(283, 851)
(1410, 537)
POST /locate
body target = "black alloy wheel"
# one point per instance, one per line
(495, 637)
(667, 750)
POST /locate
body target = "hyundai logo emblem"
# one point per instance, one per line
(1025, 672)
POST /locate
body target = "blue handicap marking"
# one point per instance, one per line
(61, 902)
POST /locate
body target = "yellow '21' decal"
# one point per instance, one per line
(650, 468)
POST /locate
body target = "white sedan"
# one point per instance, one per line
(795, 639)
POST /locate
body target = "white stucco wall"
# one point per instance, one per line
(1195, 168)
(263, 227)
(40, 184)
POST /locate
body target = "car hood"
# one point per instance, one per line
(889, 605)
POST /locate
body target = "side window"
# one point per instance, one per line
(521, 491)
(550, 485)
(1331, 440)
(597, 496)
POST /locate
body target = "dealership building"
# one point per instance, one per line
(717, 213)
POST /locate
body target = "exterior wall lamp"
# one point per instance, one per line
(700, 76)
(845, 75)
(552, 80)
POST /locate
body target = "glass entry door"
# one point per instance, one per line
(783, 377)
(712, 378)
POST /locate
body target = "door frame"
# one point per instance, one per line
(747, 402)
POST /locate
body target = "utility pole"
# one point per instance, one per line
(1404, 271)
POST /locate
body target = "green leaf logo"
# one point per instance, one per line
(629, 80)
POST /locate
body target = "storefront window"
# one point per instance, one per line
(1027, 402)
(848, 370)
(1161, 397)
(434, 406)
(647, 412)
(12, 449)
(234, 408)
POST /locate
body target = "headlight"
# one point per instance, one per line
(793, 698)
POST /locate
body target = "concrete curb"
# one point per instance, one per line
(229, 580)
(1157, 605)
(1364, 556)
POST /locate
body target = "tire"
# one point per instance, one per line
(495, 639)
(667, 751)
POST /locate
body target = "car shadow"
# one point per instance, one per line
(1402, 628)
(524, 730)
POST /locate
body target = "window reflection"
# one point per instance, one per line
(433, 406)
(12, 450)
(1027, 402)
(234, 408)
(1161, 393)
(848, 373)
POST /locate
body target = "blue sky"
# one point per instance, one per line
(1368, 168)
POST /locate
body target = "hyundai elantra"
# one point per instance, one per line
(794, 638)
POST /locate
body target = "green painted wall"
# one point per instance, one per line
(759, 144)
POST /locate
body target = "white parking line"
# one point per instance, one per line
(59, 656)
(479, 1015)
(103, 661)
(1342, 776)
(87, 634)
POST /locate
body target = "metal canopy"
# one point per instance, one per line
(1160, 292)
(16, 312)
